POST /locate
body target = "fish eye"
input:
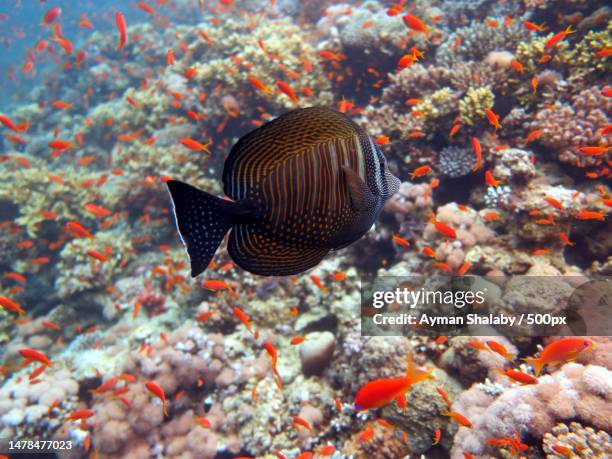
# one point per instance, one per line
(587, 343)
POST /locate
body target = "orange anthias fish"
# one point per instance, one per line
(195, 145)
(490, 180)
(558, 37)
(459, 418)
(414, 23)
(81, 414)
(444, 229)
(400, 241)
(269, 347)
(593, 151)
(285, 88)
(122, 27)
(590, 215)
(158, 392)
(382, 391)
(560, 351)
(420, 172)
(34, 355)
(243, 318)
(520, 377)
(500, 349)
(10, 305)
(493, 118)
(478, 152)
(259, 85)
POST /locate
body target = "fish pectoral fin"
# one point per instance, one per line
(362, 198)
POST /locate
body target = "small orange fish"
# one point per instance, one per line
(97, 256)
(382, 140)
(297, 340)
(81, 414)
(259, 85)
(133, 102)
(516, 65)
(10, 305)
(565, 239)
(414, 23)
(445, 230)
(315, 280)
(78, 230)
(491, 216)
(534, 84)
(443, 267)
(559, 351)
(285, 88)
(61, 104)
(500, 349)
(464, 268)
(444, 397)
(459, 419)
(122, 27)
(519, 376)
(533, 135)
(302, 422)
(454, 130)
(534, 27)
(478, 345)
(493, 118)
(554, 203)
(420, 171)
(428, 251)
(490, 180)
(590, 215)
(195, 145)
(558, 37)
(33, 355)
(478, 152)
(203, 422)
(158, 392)
(593, 151)
(269, 347)
(17, 277)
(380, 392)
(243, 318)
(338, 276)
(400, 241)
(170, 60)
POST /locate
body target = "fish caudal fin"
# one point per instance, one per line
(202, 221)
(536, 363)
(415, 375)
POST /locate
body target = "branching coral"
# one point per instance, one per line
(473, 105)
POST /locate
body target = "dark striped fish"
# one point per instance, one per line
(303, 184)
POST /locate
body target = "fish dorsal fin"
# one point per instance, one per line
(362, 198)
(409, 367)
(256, 153)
